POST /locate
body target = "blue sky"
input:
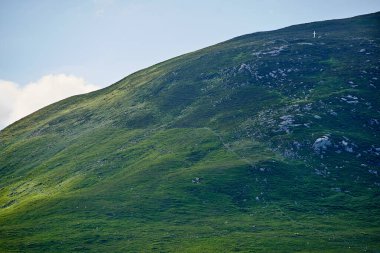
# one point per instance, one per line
(104, 40)
(52, 49)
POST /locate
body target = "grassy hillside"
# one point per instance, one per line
(266, 142)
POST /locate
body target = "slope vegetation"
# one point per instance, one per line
(266, 142)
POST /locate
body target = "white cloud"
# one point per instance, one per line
(18, 101)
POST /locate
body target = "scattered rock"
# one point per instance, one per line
(287, 121)
(374, 122)
(196, 180)
(321, 144)
(336, 189)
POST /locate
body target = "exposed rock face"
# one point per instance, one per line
(321, 144)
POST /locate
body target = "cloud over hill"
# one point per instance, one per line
(18, 101)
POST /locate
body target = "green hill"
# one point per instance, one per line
(268, 142)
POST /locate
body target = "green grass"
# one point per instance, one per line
(115, 170)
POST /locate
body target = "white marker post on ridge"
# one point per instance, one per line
(314, 33)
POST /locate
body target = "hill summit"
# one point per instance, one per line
(266, 142)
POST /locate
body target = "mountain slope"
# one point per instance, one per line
(269, 141)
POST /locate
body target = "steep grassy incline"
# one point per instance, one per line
(266, 142)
